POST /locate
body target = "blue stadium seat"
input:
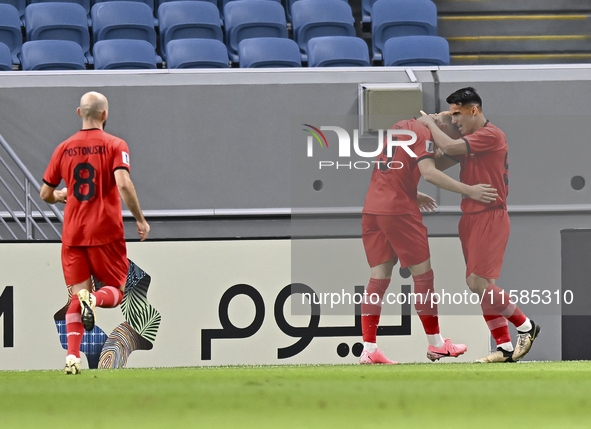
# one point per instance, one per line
(58, 21)
(10, 31)
(395, 18)
(317, 18)
(416, 51)
(269, 52)
(246, 19)
(196, 54)
(149, 3)
(289, 4)
(53, 55)
(84, 3)
(121, 54)
(338, 51)
(123, 20)
(19, 5)
(158, 3)
(222, 3)
(5, 59)
(188, 20)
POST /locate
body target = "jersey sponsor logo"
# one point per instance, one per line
(429, 146)
(84, 150)
(125, 157)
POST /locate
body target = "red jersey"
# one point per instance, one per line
(487, 161)
(87, 162)
(394, 192)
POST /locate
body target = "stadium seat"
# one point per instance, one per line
(338, 51)
(53, 55)
(196, 54)
(246, 19)
(188, 20)
(317, 18)
(19, 5)
(121, 54)
(84, 3)
(149, 3)
(289, 4)
(416, 51)
(158, 3)
(10, 31)
(268, 52)
(5, 59)
(395, 18)
(58, 21)
(123, 20)
(223, 3)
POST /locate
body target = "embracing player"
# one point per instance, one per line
(484, 228)
(393, 231)
(95, 168)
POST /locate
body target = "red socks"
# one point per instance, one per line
(74, 328)
(496, 301)
(427, 313)
(499, 328)
(370, 312)
(108, 296)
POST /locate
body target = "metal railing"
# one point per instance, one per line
(20, 217)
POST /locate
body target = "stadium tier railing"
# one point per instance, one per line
(25, 212)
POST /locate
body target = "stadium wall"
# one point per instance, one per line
(221, 144)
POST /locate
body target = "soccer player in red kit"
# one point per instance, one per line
(95, 167)
(484, 229)
(393, 231)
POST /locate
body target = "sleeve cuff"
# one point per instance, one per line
(121, 168)
(50, 184)
(467, 146)
(425, 157)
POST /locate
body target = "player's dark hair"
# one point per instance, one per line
(465, 96)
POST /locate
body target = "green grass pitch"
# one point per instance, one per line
(525, 395)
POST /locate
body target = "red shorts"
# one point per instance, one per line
(398, 237)
(108, 263)
(484, 239)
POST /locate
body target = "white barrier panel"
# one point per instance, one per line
(192, 283)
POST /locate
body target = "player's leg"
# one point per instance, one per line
(427, 311)
(109, 263)
(381, 259)
(493, 227)
(77, 276)
(408, 236)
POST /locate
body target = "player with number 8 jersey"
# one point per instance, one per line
(86, 162)
(95, 167)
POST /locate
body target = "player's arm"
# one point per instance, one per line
(51, 195)
(127, 192)
(446, 144)
(443, 161)
(482, 193)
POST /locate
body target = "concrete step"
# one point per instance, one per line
(500, 6)
(495, 59)
(524, 44)
(515, 25)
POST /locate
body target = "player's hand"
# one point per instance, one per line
(143, 229)
(426, 119)
(61, 195)
(426, 203)
(439, 153)
(483, 193)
